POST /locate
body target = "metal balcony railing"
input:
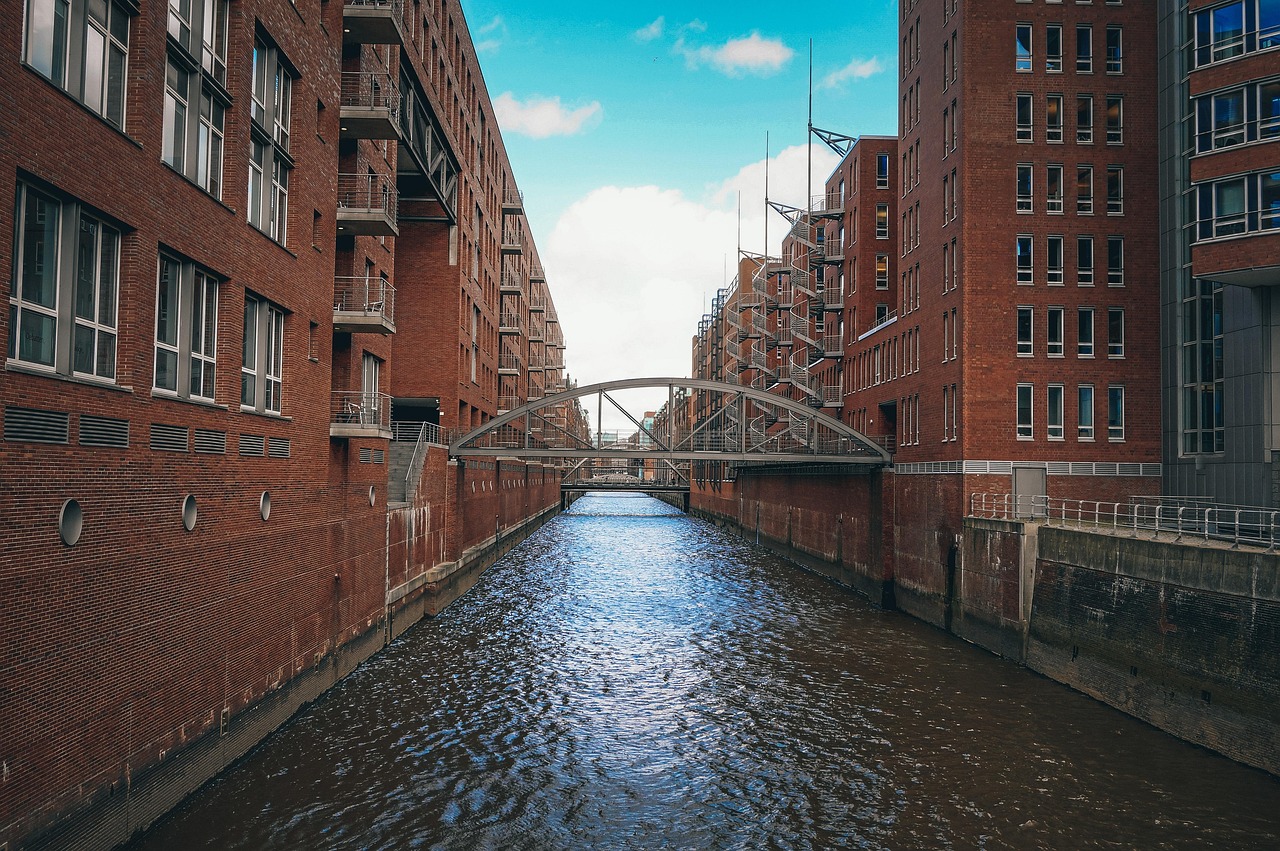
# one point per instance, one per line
(509, 363)
(828, 202)
(832, 345)
(368, 197)
(508, 403)
(360, 412)
(538, 303)
(368, 297)
(373, 21)
(510, 323)
(512, 201)
(832, 395)
(832, 297)
(512, 239)
(513, 283)
(370, 90)
(832, 249)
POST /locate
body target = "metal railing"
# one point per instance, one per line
(371, 192)
(364, 295)
(890, 318)
(1253, 526)
(509, 362)
(358, 408)
(371, 90)
(512, 198)
(513, 282)
(512, 236)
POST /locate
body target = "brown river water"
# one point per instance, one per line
(630, 677)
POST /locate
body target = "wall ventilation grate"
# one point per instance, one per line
(28, 425)
(278, 447)
(103, 431)
(252, 444)
(211, 442)
(379, 456)
(366, 455)
(169, 438)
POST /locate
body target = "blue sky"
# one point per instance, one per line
(632, 129)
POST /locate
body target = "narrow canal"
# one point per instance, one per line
(632, 678)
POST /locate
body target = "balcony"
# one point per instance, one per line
(512, 283)
(832, 396)
(538, 303)
(832, 345)
(832, 298)
(370, 106)
(536, 330)
(509, 364)
(355, 413)
(373, 22)
(536, 275)
(364, 306)
(367, 205)
(512, 241)
(512, 202)
(832, 250)
(827, 204)
(508, 403)
(510, 323)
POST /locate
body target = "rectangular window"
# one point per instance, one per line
(194, 103)
(1084, 344)
(1115, 261)
(882, 221)
(1023, 47)
(1025, 427)
(1023, 251)
(1024, 117)
(82, 47)
(1024, 204)
(882, 271)
(186, 330)
(1084, 119)
(269, 162)
(1268, 109)
(1053, 420)
(1115, 119)
(1084, 260)
(1054, 188)
(1053, 118)
(1053, 261)
(1220, 33)
(1053, 333)
(1084, 412)
(1203, 421)
(1115, 190)
(1053, 47)
(64, 297)
(1026, 322)
(262, 366)
(1084, 190)
(1115, 50)
(1115, 412)
(882, 171)
(1115, 332)
(1084, 49)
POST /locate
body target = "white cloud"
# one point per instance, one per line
(494, 32)
(632, 269)
(540, 117)
(858, 69)
(654, 30)
(750, 55)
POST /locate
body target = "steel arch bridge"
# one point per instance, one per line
(702, 421)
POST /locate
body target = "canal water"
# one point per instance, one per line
(633, 678)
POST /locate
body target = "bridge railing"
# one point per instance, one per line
(1180, 520)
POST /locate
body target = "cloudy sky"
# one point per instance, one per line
(635, 131)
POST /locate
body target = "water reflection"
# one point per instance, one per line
(632, 678)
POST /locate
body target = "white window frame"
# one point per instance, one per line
(1026, 323)
(186, 330)
(1054, 331)
(1055, 413)
(1025, 406)
(1024, 58)
(269, 160)
(1025, 271)
(1084, 61)
(262, 360)
(1084, 412)
(1024, 184)
(1054, 260)
(1054, 201)
(1084, 132)
(1052, 58)
(1115, 51)
(1115, 412)
(1085, 332)
(1084, 201)
(1054, 103)
(1115, 270)
(1024, 127)
(1115, 347)
(85, 56)
(1085, 274)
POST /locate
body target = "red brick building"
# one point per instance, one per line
(259, 253)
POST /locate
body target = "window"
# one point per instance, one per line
(1084, 344)
(186, 330)
(1084, 409)
(1084, 190)
(1053, 118)
(1026, 323)
(1115, 412)
(946, 268)
(82, 46)
(370, 400)
(1084, 260)
(1053, 48)
(1022, 39)
(1084, 49)
(882, 171)
(1203, 424)
(1053, 420)
(1115, 190)
(1115, 261)
(1084, 119)
(1053, 333)
(262, 367)
(1115, 119)
(1219, 33)
(1115, 332)
(270, 163)
(1220, 118)
(65, 291)
(1024, 188)
(1025, 272)
(1115, 50)
(1024, 117)
(194, 103)
(882, 271)
(1025, 431)
(1053, 262)
(882, 221)
(1054, 187)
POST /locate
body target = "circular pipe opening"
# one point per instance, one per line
(373, 495)
(264, 505)
(70, 522)
(189, 512)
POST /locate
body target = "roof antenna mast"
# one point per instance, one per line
(766, 196)
(808, 137)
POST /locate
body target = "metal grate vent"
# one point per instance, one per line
(211, 442)
(278, 447)
(378, 456)
(252, 444)
(28, 425)
(103, 431)
(366, 455)
(169, 438)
